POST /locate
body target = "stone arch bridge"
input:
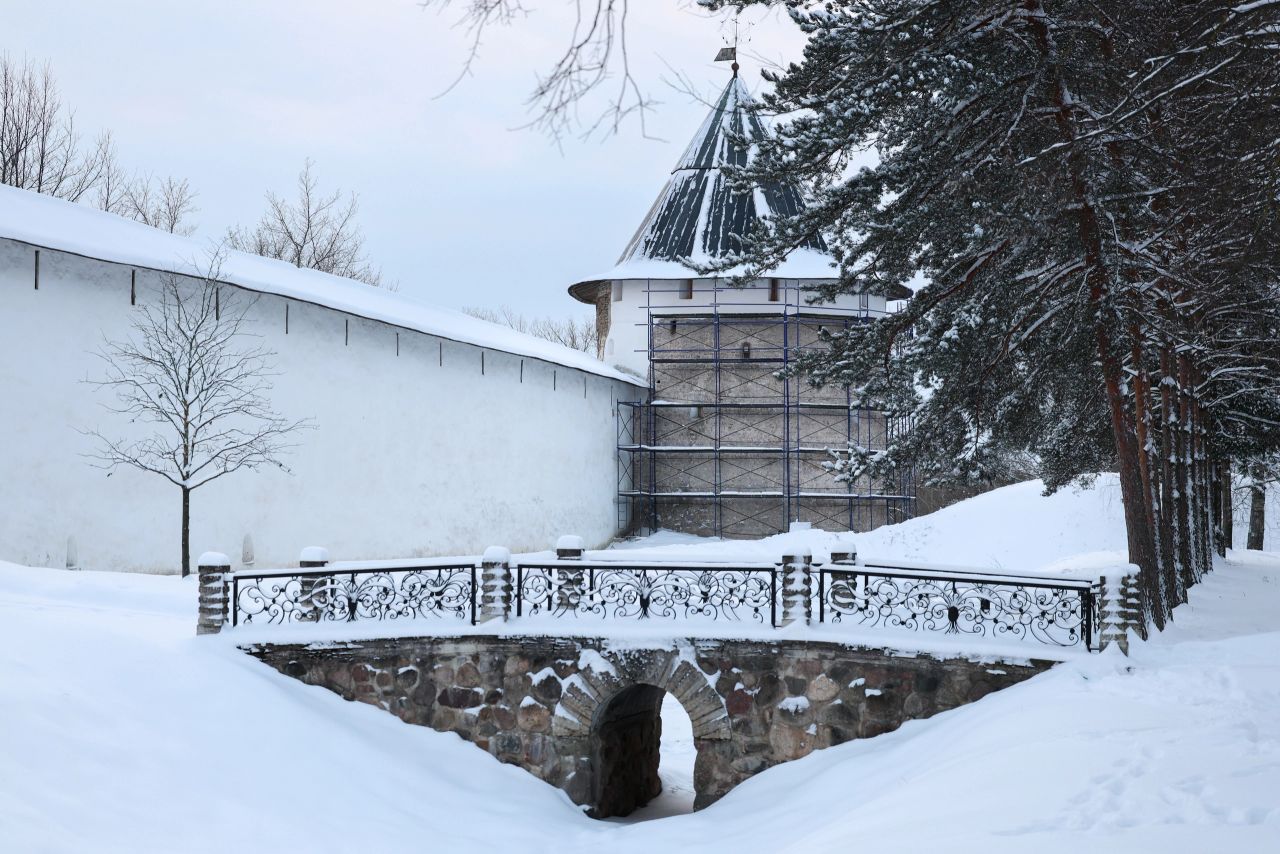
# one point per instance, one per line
(584, 716)
(517, 668)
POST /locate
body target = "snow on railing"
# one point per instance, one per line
(1058, 612)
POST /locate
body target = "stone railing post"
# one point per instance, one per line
(794, 597)
(310, 558)
(214, 573)
(845, 551)
(1120, 611)
(570, 588)
(841, 583)
(1132, 606)
(495, 585)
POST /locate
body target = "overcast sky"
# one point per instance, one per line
(457, 207)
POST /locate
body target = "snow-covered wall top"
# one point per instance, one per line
(52, 223)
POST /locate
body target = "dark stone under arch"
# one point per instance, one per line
(626, 745)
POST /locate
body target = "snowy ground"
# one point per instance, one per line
(1014, 529)
(124, 733)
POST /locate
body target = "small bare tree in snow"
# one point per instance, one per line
(192, 373)
(315, 230)
(576, 332)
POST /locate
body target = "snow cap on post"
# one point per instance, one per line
(569, 546)
(844, 550)
(213, 560)
(496, 555)
(314, 556)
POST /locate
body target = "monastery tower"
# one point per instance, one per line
(725, 443)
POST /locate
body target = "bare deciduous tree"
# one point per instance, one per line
(113, 184)
(40, 148)
(161, 203)
(191, 371)
(314, 230)
(576, 332)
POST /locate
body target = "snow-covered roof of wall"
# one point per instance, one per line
(68, 227)
(699, 217)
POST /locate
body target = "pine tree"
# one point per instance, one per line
(1089, 195)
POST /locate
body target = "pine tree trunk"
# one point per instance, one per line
(186, 532)
(1173, 537)
(1257, 515)
(1216, 510)
(1142, 541)
(1228, 510)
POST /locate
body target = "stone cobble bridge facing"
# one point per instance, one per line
(531, 661)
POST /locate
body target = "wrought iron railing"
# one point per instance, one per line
(1049, 611)
(1056, 612)
(647, 590)
(329, 595)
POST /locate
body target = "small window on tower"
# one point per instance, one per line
(686, 289)
(617, 291)
(773, 290)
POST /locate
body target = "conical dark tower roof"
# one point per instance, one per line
(697, 214)
(698, 217)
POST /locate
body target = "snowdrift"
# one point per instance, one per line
(1015, 529)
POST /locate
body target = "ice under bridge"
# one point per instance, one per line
(560, 665)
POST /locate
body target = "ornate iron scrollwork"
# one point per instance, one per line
(641, 592)
(1058, 615)
(392, 594)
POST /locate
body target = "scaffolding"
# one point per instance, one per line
(728, 443)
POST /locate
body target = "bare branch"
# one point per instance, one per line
(596, 58)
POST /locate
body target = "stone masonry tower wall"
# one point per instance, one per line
(728, 447)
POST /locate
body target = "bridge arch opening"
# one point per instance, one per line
(643, 752)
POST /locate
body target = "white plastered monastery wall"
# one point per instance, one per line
(431, 451)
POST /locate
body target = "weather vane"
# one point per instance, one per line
(731, 52)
